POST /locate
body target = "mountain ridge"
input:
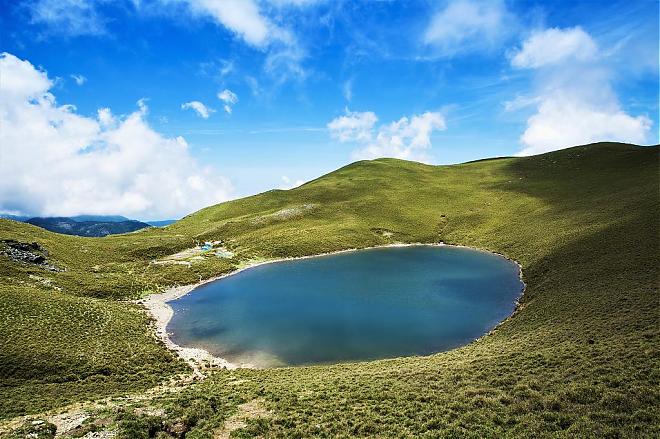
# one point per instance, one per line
(88, 225)
(70, 226)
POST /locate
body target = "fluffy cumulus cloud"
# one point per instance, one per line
(58, 162)
(553, 46)
(202, 110)
(229, 99)
(408, 138)
(562, 121)
(468, 26)
(574, 100)
(353, 126)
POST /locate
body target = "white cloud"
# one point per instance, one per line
(202, 110)
(468, 26)
(353, 127)
(264, 25)
(245, 18)
(106, 118)
(552, 46)
(408, 138)
(68, 17)
(79, 79)
(239, 16)
(574, 100)
(229, 98)
(563, 121)
(287, 183)
(58, 162)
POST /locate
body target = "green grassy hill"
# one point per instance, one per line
(579, 358)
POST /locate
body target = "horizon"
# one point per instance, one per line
(260, 95)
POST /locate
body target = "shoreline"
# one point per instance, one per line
(161, 312)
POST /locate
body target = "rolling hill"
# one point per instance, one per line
(579, 357)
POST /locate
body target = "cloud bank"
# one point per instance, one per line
(55, 161)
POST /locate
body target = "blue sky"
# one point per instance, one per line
(267, 94)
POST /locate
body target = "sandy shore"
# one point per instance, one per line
(159, 309)
(162, 313)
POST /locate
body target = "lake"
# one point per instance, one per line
(360, 305)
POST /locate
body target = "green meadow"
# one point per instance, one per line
(580, 357)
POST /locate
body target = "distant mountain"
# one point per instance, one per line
(100, 218)
(88, 225)
(14, 217)
(161, 223)
(69, 226)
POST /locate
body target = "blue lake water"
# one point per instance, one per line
(362, 305)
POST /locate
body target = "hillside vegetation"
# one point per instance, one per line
(580, 357)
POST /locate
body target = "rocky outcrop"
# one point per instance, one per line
(27, 253)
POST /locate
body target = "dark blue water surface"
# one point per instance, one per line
(361, 305)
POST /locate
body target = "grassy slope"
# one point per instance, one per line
(580, 357)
